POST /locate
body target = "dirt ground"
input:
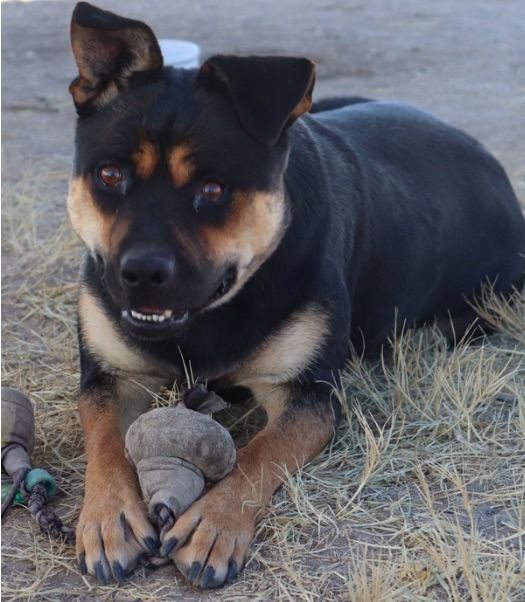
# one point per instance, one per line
(464, 61)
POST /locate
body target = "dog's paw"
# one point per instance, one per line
(209, 543)
(113, 532)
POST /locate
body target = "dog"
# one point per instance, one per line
(231, 224)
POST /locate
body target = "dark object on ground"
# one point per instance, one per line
(20, 483)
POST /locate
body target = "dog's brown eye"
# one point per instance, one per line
(212, 191)
(110, 175)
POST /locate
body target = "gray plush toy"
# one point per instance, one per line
(174, 450)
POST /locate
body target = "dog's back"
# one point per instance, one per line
(422, 216)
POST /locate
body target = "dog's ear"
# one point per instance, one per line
(108, 49)
(269, 93)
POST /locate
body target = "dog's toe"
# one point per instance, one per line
(111, 536)
(209, 544)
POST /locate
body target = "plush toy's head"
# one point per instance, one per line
(175, 450)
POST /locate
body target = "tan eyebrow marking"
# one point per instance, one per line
(146, 159)
(180, 164)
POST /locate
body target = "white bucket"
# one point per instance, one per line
(179, 53)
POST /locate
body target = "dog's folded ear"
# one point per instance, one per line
(269, 93)
(108, 49)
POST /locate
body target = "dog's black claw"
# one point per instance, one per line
(207, 578)
(118, 571)
(194, 571)
(168, 546)
(82, 563)
(153, 544)
(99, 571)
(232, 571)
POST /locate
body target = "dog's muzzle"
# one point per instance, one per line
(159, 299)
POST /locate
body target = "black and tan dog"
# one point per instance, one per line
(229, 226)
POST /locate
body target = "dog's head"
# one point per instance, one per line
(177, 188)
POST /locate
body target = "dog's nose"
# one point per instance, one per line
(147, 270)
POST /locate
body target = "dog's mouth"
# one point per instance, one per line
(152, 320)
(155, 316)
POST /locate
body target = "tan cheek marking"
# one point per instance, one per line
(118, 233)
(103, 340)
(286, 353)
(252, 232)
(87, 220)
(146, 160)
(180, 165)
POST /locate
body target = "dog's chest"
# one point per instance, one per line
(280, 356)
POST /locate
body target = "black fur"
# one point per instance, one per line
(393, 213)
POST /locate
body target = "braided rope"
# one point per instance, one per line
(48, 521)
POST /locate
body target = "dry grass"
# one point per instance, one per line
(421, 497)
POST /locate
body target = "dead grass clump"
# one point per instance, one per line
(421, 496)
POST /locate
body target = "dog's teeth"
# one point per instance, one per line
(158, 318)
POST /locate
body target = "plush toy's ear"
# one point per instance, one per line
(108, 49)
(269, 93)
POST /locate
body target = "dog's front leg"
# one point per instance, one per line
(210, 542)
(113, 529)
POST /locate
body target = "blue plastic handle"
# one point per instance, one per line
(35, 476)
